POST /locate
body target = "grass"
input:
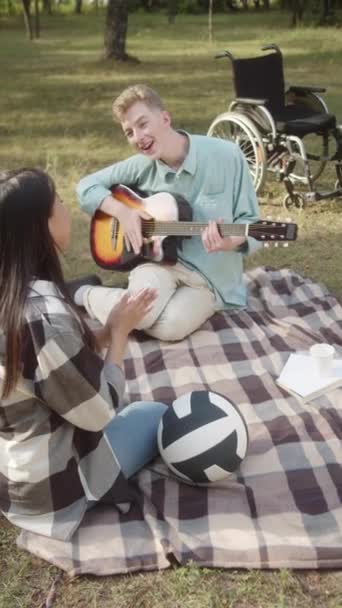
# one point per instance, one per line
(55, 112)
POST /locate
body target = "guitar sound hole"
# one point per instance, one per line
(114, 236)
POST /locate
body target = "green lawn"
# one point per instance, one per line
(55, 112)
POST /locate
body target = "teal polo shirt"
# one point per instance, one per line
(215, 180)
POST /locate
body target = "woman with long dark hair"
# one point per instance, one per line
(62, 449)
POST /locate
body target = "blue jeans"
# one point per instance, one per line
(133, 434)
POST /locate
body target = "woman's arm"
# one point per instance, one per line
(75, 381)
(72, 380)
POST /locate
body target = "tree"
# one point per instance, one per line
(116, 30)
(326, 12)
(210, 21)
(36, 19)
(47, 8)
(27, 18)
(172, 10)
(297, 11)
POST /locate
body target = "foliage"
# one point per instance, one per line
(312, 8)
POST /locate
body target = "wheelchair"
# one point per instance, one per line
(285, 132)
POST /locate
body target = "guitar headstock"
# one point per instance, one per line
(270, 231)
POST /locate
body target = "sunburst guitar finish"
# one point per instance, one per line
(170, 216)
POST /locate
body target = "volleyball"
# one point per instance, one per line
(202, 437)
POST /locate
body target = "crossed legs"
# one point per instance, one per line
(184, 301)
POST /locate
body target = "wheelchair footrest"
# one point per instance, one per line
(315, 197)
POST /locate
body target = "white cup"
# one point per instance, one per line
(323, 355)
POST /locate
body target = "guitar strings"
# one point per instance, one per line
(233, 230)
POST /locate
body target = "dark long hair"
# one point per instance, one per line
(27, 252)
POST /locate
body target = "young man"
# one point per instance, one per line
(213, 176)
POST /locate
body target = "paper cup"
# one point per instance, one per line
(323, 355)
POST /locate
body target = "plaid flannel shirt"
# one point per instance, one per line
(54, 457)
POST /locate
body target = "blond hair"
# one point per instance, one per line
(137, 92)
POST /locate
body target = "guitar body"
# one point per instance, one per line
(107, 242)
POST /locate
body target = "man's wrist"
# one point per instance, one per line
(243, 247)
(111, 206)
(236, 244)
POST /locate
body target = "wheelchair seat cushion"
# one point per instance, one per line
(300, 120)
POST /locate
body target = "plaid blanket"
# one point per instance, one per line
(283, 507)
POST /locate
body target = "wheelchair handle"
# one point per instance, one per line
(271, 47)
(224, 54)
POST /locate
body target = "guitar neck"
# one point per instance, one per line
(190, 228)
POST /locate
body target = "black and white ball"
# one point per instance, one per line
(202, 437)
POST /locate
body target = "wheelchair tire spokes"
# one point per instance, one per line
(234, 127)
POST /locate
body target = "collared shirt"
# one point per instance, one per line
(215, 180)
(54, 457)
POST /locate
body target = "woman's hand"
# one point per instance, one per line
(127, 313)
(124, 317)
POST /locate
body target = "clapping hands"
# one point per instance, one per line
(129, 311)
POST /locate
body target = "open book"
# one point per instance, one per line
(299, 377)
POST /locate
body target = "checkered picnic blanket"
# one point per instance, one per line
(283, 507)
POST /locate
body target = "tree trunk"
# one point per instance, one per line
(172, 10)
(78, 7)
(47, 7)
(36, 19)
(297, 11)
(210, 21)
(27, 19)
(325, 12)
(116, 30)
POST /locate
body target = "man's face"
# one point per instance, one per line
(146, 129)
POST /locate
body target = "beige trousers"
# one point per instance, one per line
(185, 300)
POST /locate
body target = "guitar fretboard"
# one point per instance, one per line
(190, 228)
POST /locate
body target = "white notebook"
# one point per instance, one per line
(299, 376)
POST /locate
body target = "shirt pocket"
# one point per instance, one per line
(214, 181)
(213, 205)
(211, 198)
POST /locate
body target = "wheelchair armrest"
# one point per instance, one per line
(224, 54)
(305, 89)
(251, 101)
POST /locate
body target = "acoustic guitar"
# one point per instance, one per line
(170, 217)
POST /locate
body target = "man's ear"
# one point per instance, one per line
(166, 118)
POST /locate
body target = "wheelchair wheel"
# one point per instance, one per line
(318, 150)
(318, 147)
(338, 183)
(295, 200)
(237, 128)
